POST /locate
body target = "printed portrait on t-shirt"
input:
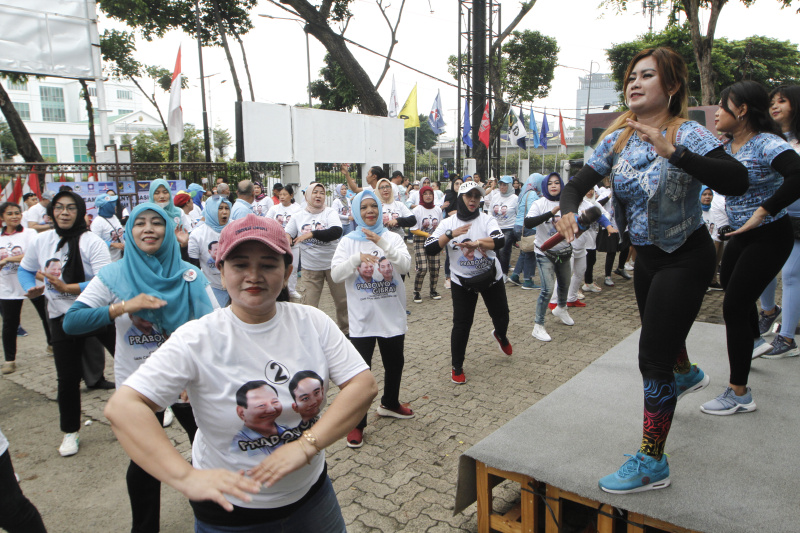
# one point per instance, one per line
(472, 258)
(15, 251)
(281, 220)
(4, 252)
(212, 252)
(259, 210)
(376, 279)
(53, 267)
(143, 336)
(308, 396)
(258, 406)
(306, 229)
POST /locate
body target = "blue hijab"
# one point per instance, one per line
(170, 208)
(163, 275)
(105, 205)
(211, 212)
(702, 190)
(546, 193)
(196, 192)
(378, 227)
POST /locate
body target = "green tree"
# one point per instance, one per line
(8, 146)
(153, 146)
(335, 91)
(702, 45)
(222, 140)
(425, 136)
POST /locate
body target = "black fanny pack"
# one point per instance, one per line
(795, 226)
(559, 256)
(481, 281)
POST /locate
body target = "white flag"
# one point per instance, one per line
(175, 113)
(516, 131)
(394, 105)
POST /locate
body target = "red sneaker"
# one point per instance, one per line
(458, 379)
(576, 303)
(399, 412)
(551, 306)
(355, 439)
(504, 347)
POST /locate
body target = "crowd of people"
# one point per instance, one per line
(194, 293)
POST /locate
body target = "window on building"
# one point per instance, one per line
(48, 149)
(53, 104)
(124, 111)
(24, 110)
(124, 95)
(80, 151)
(18, 86)
(92, 91)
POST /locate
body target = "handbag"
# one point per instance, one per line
(527, 244)
(481, 281)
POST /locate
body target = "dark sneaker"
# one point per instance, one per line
(400, 412)
(355, 439)
(622, 273)
(21, 332)
(782, 347)
(529, 285)
(638, 474)
(458, 379)
(714, 286)
(435, 295)
(514, 278)
(103, 384)
(505, 347)
(417, 298)
(765, 321)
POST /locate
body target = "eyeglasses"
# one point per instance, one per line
(72, 208)
(385, 188)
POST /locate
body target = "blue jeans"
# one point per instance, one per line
(548, 273)
(320, 514)
(346, 228)
(526, 262)
(504, 253)
(222, 296)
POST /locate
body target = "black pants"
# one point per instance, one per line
(750, 262)
(11, 312)
(504, 253)
(393, 361)
(17, 513)
(144, 490)
(591, 259)
(67, 352)
(464, 302)
(614, 247)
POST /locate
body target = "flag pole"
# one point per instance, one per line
(180, 173)
(416, 130)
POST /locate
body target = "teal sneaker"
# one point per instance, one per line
(529, 285)
(514, 278)
(692, 381)
(638, 474)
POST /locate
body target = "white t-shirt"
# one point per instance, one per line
(37, 215)
(475, 262)
(393, 211)
(11, 246)
(213, 357)
(3, 443)
(504, 209)
(135, 342)
(111, 231)
(438, 198)
(196, 214)
(262, 207)
(187, 223)
(376, 295)
(42, 256)
(718, 215)
(314, 255)
(203, 246)
(342, 208)
(282, 213)
(547, 229)
(427, 219)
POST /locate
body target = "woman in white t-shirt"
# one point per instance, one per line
(396, 215)
(283, 212)
(204, 244)
(427, 217)
(504, 210)
(316, 230)
(341, 205)
(70, 256)
(107, 226)
(15, 239)
(371, 262)
(470, 238)
(262, 202)
(257, 462)
(183, 201)
(147, 296)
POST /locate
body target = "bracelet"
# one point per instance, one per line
(312, 440)
(123, 307)
(308, 458)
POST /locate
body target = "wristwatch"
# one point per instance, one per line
(449, 234)
(677, 154)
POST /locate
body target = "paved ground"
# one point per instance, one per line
(403, 479)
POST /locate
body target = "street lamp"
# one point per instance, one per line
(308, 53)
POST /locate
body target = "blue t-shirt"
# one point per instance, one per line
(636, 175)
(757, 155)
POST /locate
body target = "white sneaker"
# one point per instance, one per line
(581, 296)
(169, 416)
(628, 266)
(563, 314)
(590, 288)
(296, 295)
(540, 333)
(69, 446)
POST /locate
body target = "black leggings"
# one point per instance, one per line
(591, 259)
(750, 262)
(393, 361)
(464, 302)
(144, 490)
(11, 312)
(614, 247)
(17, 513)
(68, 352)
(669, 291)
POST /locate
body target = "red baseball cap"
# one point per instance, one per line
(252, 228)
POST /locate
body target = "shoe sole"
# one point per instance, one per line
(702, 384)
(436, 297)
(458, 382)
(353, 445)
(517, 283)
(794, 352)
(391, 414)
(761, 350)
(748, 408)
(524, 288)
(664, 483)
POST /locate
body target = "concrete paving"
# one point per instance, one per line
(403, 479)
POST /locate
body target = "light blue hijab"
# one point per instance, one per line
(163, 275)
(105, 205)
(170, 208)
(211, 212)
(196, 192)
(378, 227)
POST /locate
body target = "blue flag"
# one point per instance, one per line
(466, 136)
(545, 130)
(436, 118)
(445, 174)
(534, 131)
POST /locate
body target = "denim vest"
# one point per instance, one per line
(673, 213)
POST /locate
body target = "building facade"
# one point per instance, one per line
(603, 93)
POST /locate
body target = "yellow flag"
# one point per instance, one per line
(409, 112)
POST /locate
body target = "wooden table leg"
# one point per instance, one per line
(554, 500)
(484, 497)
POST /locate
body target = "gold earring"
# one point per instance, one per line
(669, 104)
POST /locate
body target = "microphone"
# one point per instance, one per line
(586, 219)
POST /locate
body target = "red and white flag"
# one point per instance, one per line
(561, 133)
(14, 190)
(175, 113)
(486, 126)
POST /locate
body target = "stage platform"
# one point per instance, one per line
(729, 474)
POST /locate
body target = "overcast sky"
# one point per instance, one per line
(427, 36)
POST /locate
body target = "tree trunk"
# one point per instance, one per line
(703, 45)
(224, 39)
(152, 100)
(25, 145)
(246, 66)
(91, 145)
